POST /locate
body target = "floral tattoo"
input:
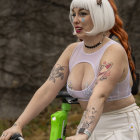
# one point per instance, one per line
(89, 118)
(57, 72)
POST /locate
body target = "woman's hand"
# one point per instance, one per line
(78, 137)
(9, 132)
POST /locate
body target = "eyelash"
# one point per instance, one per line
(81, 14)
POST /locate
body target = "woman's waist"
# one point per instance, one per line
(112, 105)
(118, 104)
(121, 118)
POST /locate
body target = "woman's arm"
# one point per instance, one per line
(48, 91)
(112, 68)
(45, 94)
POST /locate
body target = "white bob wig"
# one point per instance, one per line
(102, 16)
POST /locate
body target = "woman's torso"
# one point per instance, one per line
(82, 75)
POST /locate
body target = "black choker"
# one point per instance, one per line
(90, 47)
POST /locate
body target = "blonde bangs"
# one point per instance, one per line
(79, 4)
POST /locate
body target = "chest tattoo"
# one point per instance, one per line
(70, 85)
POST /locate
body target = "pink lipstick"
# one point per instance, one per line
(78, 29)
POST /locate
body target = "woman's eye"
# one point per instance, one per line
(73, 15)
(82, 14)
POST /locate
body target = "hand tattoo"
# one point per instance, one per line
(57, 72)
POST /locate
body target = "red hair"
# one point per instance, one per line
(123, 36)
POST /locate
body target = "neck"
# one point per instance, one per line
(93, 40)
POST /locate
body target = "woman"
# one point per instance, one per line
(96, 71)
(109, 94)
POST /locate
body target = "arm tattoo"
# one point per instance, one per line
(57, 72)
(104, 71)
(14, 124)
(89, 118)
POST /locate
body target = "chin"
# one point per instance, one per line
(80, 36)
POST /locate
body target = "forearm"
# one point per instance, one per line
(93, 113)
(35, 106)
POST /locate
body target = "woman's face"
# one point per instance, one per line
(82, 22)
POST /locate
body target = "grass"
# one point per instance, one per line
(39, 128)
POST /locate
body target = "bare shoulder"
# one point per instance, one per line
(70, 48)
(115, 50)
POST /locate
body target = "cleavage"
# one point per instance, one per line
(81, 76)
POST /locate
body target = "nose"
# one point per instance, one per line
(76, 19)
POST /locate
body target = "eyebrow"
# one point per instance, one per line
(79, 10)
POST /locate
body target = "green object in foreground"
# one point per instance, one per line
(59, 122)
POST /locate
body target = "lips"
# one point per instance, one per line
(78, 29)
